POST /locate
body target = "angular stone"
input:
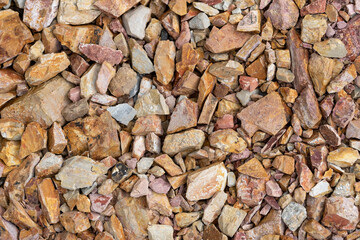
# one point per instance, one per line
(350, 37)
(248, 47)
(40, 14)
(345, 187)
(79, 172)
(271, 224)
(78, 64)
(70, 12)
(212, 233)
(330, 135)
(226, 69)
(205, 87)
(101, 54)
(126, 82)
(159, 203)
(185, 219)
(168, 164)
(72, 36)
(340, 213)
(49, 165)
(293, 215)
(21, 63)
(75, 110)
(306, 107)
(227, 140)
(34, 139)
(225, 39)
(313, 28)
(74, 221)
(103, 99)
(36, 50)
(115, 7)
(251, 22)
(284, 164)
(115, 228)
(250, 191)
(160, 232)
(260, 115)
(11, 129)
(164, 61)
(8, 230)
(135, 21)
(343, 157)
(99, 202)
(331, 47)
(322, 188)
(15, 36)
(285, 18)
(49, 199)
(230, 220)
(320, 76)
(343, 111)
(139, 58)
(352, 130)
(48, 66)
(205, 182)
(184, 116)
(200, 21)
(284, 75)
(344, 78)
(213, 209)
(56, 139)
(9, 79)
(253, 168)
(147, 124)
(189, 58)
(151, 103)
(316, 230)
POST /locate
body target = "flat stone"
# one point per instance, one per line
(230, 220)
(10, 153)
(33, 139)
(56, 139)
(135, 21)
(343, 157)
(103, 99)
(125, 82)
(319, 77)
(71, 13)
(151, 103)
(79, 172)
(11, 129)
(344, 78)
(75, 110)
(9, 230)
(285, 18)
(185, 219)
(251, 22)
(159, 185)
(72, 36)
(164, 61)
(253, 168)
(212, 233)
(49, 165)
(139, 58)
(74, 221)
(250, 191)
(345, 187)
(213, 209)
(159, 203)
(343, 112)
(352, 130)
(40, 14)
(50, 200)
(17, 35)
(78, 64)
(270, 225)
(189, 58)
(259, 116)
(293, 215)
(331, 47)
(322, 188)
(99, 202)
(250, 45)
(160, 232)
(184, 116)
(48, 66)
(225, 39)
(340, 213)
(313, 28)
(316, 230)
(205, 182)
(101, 54)
(200, 21)
(148, 124)
(226, 69)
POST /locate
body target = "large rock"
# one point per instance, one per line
(343, 156)
(14, 35)
(189, 140)
(205, 182)
(42, 104)
(331, 47)
(70, 12)
(313, 28)
(269, 114)
(39, 14)
(50, 200)
(250, 190)
(283, 14)
(80, 172)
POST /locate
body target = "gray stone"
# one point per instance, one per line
(151, 103)
(139, 58)
(135, 21)
(144, 164)
(123, 113)
(200, 21)
(230, 220)
(293, 215)
(244, 96)
(160, 232)
(75, 110)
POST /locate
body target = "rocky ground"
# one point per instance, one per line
(179, 119)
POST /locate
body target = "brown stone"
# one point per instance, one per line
(330, 135)
(78, 64)
(98, 135)
(344, 78)
(170, 21)
(253, 168)
(187, 84)
(49, 199)
(115, 7)
(286, 18)
(21, 63)
(15, 35)
(208, 109)
(271, 224)
(74, 221)
(250, 191)
(351, 37)
(33, 139)
(51, 44)
(77, 13)
(258, 69)
(317, 6)
(168, 164)
(184, 116)
(56, 139)
(164, 61)
(225, 39)
(227, 140)
(10, 152)
(320, 76)
(343, 111)
(101, 54)
(261, 115)
(189, 58)
(9, 79)
(11, 129)
(316, 230)
(75, 110)
(72, 36)
(48, 165)
(206, 85)
(106, 73)
(284, 164)
(115, 228)
(124, 83)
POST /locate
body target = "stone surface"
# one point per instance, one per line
(270, 225)
(352, 130)
(184, 116)
(11, 129)
(49, 199)
(260, 115)
(251, 22)
(213, 209)
(316, 230)
(135, 21)
(40, 14)
(17, 35)
(164, 61)
(168, 164)
(250, 191)
(9, 80)
(343, 112)
(101, 54)
(313, 28)
(70, 12)
(49, 165)
(160, 232)
(79, 172)
(74, 221)
(343, 156)
(344, 78)
(125, 82)
(151, 103)
(253, 168)
(148, 124)
(350, 36)
(33, 139)
(56, 139)
(331, 47)
(319, 77)
(230, 220)
(293, 215)
(123, 113)
(286, 18)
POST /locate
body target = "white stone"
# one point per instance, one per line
(135, 21)
(160, 232)
(144, 164)
(320, 189)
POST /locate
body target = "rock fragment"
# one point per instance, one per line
(189, 140)
(230, 220)
(293, 215)
(164, 61)
(135, 21)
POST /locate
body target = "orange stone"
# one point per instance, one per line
(253, 168)
(168, 164)
(33, 139)
(57, 141)
(115, 227)
(49, 199)
(206, 85)
(284, 164)
(9, 79)
(189, 59)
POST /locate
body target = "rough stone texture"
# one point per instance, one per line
(184, 116)
(230, 220)
(353, 128)
(250, 191)
(270, 225)
(253, 168)
(320, 76)
(33, 139)
(11, 129)
(343, 112)
(164, 61)
(160, 232)
(115, 7)
(126, 82)
(74, 221)
(135, 21)
(343, 156)
(350, 36)
(50, 200)
(101, 54)
(316, 230)
(331, 47)
(189, 140)
(15, 37)
(344, 78)
(71, 13)
(313, 28)
(213, 209)
(261, 115)
(286, 18)
(40, 14)
(293, 215)
(49, 165)
(151, 103)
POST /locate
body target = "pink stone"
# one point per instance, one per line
(248, 83)
(317, 6)
(243, 155)
(159, 185)
(109, 161)
(131, 163)
(106, 73)
(99, 202)
(101, 54)
(141, 188)
(184, 36)
(273, 189)
(116, 27)
(74, 94)
(341, 25)
(226, 121)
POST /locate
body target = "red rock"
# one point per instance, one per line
(99, 202)
(306, 179)
(170, 21)
(74, 221)
(283, 14)
(78, 64)
(317, 6)
(115, 7)
(250, 191)
(330, 135)
(248, 83)
(101, 54)
(318, 159)
(343, 111)
(350, 36)
(147, 124)
(225, 122)
(270, 225)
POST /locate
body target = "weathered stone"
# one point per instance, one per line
(260, 115)
(126, 82)
(151, 103)
(344, 78)
(330, 135)
(184, 116)
(74, 221)
(49, 66)
(343, 157)
(271, 224)
(322, 188)
(33, 139)
(8, 230)
(78, 64)
(211, 233)
(317, 6)
(345, 187)
(226, 69)
(250, 191)
(9, 79)
(160, 232)
(36, 50)
(225, 39)
(316, 230)
(15, 36)
(250, 45)
(21, 63)
(251, 22)
(320, 76)
(213, 209)
(49, 165)
(200, 21)
(79, 172)
(88, 81)
(205, 182)
(293, 215)
(9, 153)
(72, 36)
(189, 59)
(340, 213)
(147, 124)
(343, 112)
(313, 28)
(230, 220)
(101, 54)
(139, 58)
(11, 129)
(49, 199)
(159, 203)
(56, 139)
(185, 219)
(135, 21)
(40, 14)
(70, 12)
(168, 164)
(331, 47)
(286, 18)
